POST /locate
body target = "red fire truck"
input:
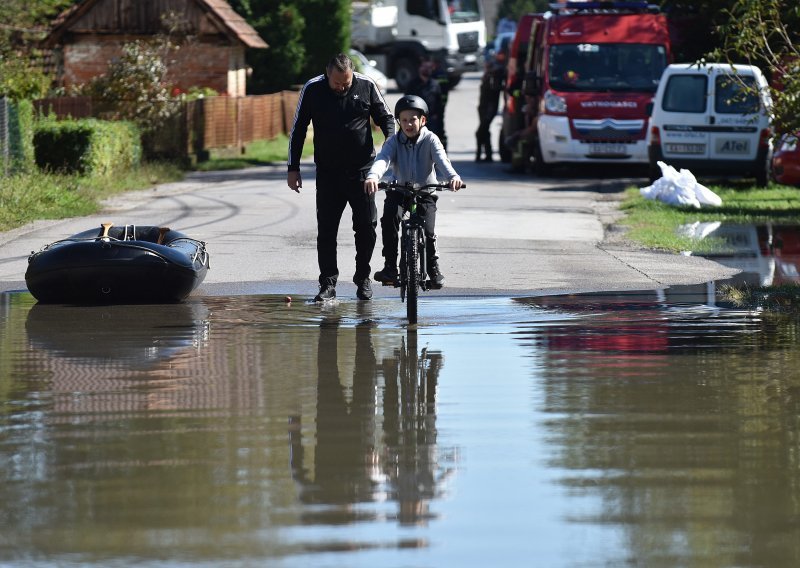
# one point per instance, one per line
(580, 91)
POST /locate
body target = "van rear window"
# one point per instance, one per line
(685, 93)
(736, 95)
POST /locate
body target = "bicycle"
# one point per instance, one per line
(413, 274)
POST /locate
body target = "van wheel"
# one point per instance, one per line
(762, 177)
(653, 172)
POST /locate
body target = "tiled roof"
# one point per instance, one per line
(219, 11)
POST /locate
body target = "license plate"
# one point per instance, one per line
(685, 148)
(607, 150)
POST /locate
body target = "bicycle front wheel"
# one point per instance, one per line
(412, 268)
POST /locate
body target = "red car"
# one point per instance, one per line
(786, 160)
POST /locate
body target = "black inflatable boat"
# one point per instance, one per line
(118, 265)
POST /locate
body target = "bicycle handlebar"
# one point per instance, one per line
(441, 186)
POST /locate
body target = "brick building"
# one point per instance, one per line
(213, 40)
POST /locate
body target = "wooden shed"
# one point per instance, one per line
(213, 40)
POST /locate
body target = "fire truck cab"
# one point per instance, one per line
(590, 72)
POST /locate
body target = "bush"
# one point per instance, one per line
(90, 147)
(20, 134)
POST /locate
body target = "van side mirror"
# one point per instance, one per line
(531, 84)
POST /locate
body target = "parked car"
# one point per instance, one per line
(368, 68)
(712, 119)
(786, 160)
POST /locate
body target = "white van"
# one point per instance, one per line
(704, 119)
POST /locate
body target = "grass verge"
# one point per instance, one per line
(26, 197)
(258, 153)
(654, 224)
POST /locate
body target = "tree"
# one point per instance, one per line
(22, 24)
(766, 33)
(327, 32)
(280, 23)
(135, 88)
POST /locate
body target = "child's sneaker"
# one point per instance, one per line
(435, 275)
(388, 275)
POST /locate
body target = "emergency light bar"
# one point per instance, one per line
(616, 5)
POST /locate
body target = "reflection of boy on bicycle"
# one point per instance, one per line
(416, 156)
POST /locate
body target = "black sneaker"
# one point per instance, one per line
(435, 276)
(364, 291)
(326, 292)
(387, 276)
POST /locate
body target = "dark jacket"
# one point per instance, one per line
(342, 130)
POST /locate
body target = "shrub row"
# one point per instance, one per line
(87, 146)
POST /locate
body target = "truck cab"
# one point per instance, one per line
(590, 72)
(398, 33)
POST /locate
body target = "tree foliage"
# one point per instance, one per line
(134, 88)
(281, 25)
(766, 33)
(23, 23)
(327, 32)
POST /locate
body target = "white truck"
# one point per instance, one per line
(397, 33)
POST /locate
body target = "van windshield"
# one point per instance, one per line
(589, 67)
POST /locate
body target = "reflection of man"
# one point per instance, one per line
(345, 419)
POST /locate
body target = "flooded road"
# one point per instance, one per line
(649, 429)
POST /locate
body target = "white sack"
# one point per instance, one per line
(679, 188)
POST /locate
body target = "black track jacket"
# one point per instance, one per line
(342, 131)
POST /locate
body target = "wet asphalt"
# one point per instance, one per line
(505, 234)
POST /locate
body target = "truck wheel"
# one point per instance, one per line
(404, 73)
(453, 80)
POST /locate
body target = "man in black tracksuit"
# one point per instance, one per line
(339, 105)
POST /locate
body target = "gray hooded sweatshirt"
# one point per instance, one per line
(422, 162)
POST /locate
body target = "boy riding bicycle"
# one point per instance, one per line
(416, 156)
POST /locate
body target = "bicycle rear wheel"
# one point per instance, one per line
(412, 282)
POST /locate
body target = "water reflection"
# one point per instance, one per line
(766, 254)
(375, 427)
(681, 421)
(651, 428)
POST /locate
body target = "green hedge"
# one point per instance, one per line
(20, 134)
(88, 146)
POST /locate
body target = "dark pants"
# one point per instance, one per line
(486, 113)
(393, 216)
(335, 190)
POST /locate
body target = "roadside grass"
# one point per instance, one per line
(28, 196)
(654, 224)
(258, 153)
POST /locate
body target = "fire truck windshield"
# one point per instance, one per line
(606, 67)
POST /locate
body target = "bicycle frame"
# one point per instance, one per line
(413, 274)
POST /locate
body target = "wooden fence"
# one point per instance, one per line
(201, 125)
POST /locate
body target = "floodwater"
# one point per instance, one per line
(653, 429)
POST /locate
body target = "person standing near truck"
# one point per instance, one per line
(428, 89)
(339, 105)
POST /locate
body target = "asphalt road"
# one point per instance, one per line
(509, 234)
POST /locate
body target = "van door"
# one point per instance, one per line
(684, 133)
(734, 118)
